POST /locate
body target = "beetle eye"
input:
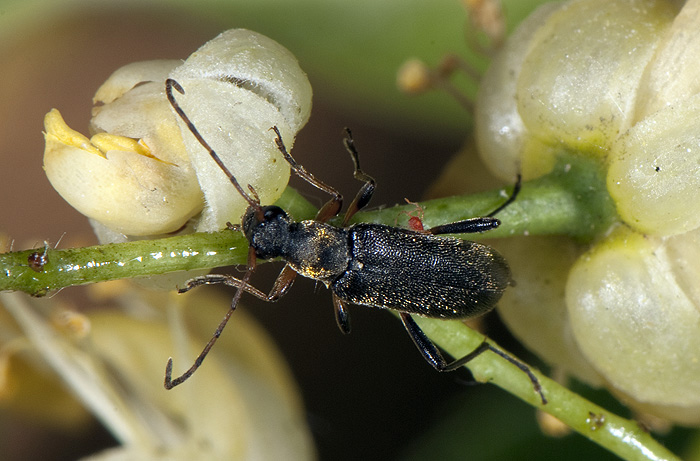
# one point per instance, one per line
(271, 213)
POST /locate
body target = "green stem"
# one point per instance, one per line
(619, 435)
(571, 200)
(78, 266)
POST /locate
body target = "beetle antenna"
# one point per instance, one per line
(169, 85)
(255, 195)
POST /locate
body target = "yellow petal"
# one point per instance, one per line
(127, 190)
(106, 142)
(59, 135)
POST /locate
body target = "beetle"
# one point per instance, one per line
(411, 271)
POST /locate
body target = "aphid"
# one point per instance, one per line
(368, 264)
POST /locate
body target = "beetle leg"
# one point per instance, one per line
(215, 279)
(242, 286)
(282, 284)
(333, 206)
(424, 345)
(367, 190)
(468, 226)
(342, 316)
(431, 353)
(511, 199)
(480, 224)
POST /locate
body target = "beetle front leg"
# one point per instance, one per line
(216, 279)
(479, 224)
(364, 195)
(330, 208)
(283, 283)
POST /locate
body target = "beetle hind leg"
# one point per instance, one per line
(433, 356)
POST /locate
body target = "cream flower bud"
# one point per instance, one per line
(654, 173)
(577, 92)
(535, 304)
(616, 83)
(237, 86)
(144, 173)
(655, 167)
(498, 128)
(634, 304)
(129, 76)
(119, 181)
(554, 88)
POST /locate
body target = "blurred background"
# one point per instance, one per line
(369, 395)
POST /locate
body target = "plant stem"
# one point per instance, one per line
(571, 200)
(619, 435)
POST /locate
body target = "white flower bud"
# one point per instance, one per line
(576, 88)
(144, 173)
(534, 309)
(634, 304)
(615, 83)
(498, 128)
(654, 173)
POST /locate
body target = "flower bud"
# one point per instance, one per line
(634, 305)
(615, 83)
(143, 173)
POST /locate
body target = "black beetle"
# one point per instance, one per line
(413, 272)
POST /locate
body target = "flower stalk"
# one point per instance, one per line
(576, 214)
(621, 436)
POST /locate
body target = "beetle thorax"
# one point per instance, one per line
(318, 251)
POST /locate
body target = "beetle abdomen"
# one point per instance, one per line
(421, 273)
